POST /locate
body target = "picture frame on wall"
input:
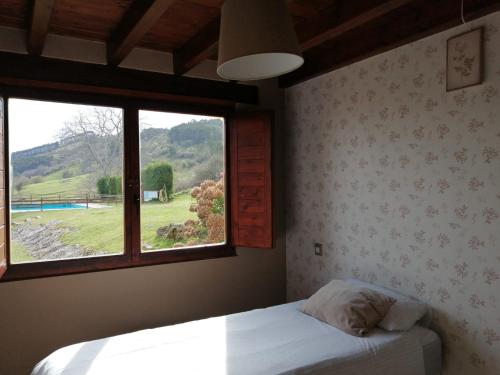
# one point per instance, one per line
(464, 60)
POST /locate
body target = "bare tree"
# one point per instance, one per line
(100, 129)
(88, 185)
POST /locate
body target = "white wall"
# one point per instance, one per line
(38, 316)
(400, 180)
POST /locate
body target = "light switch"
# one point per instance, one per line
(318, 249)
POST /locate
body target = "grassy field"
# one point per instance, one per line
(53, 185)
(19, 253)
(103, 229)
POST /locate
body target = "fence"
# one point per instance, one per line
(86, 199)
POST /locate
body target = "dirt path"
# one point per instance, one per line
(43, 240)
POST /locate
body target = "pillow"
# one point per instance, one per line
(403, 314)
(350, 309)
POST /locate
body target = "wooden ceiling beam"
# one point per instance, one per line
(16, 69)
(137, 21)
(39, 26)
(201, 47)
(419, 19)
(346, 16)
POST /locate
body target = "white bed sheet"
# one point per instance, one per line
(276, 340)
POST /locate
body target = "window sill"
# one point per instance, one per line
(24, 271)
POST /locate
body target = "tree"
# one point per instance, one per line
(163, 196)
(103, 185)
(109, 185)
(157, 176)
(89, 183)
(198, 132)
(210, 169)
(67, 174)
(20, 184)
(115, 185)
(100, 129)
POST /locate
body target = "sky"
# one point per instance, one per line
(34, 123)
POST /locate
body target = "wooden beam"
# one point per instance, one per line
(39, 26)
(137, 21)
(346, 16)
(302, 9)
(201, 47)
(34, 71)
(419, 19)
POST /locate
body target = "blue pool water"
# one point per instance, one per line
(46, 207)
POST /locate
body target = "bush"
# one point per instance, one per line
(115, 185)
(210, 208)
(109, 185)
(103, 185)
(157, 176)
(20, 183)
(67, 174)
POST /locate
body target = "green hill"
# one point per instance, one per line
(195, 150)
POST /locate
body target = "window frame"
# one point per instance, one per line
(132, 256)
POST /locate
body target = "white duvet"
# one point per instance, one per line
(276, 340)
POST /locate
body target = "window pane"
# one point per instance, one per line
(66, 164)
(182, 180)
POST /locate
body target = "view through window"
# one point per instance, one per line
(66, 166)
(182, 180)
(66, 180)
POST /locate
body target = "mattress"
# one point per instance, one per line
(276, 340)
(431, 349)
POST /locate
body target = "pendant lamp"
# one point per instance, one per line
(257, 40)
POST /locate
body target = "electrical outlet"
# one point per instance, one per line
(318, 249)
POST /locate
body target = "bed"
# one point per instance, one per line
(275, 340)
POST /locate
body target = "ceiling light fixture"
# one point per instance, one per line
(257, 40)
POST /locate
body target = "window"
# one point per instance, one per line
(66, 193)
(101, 184)
(182, 180)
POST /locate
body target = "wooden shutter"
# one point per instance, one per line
(250, 178)
(3, 229)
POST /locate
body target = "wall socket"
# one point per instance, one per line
(318, 249)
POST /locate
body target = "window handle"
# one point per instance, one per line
(135, 186)
(137, 202)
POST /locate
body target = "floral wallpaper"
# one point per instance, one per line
(400, 182)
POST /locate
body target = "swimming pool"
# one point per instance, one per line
(46, 207)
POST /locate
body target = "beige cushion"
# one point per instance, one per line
(351, 309)
(404, 314)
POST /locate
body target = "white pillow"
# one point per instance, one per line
(403, 314)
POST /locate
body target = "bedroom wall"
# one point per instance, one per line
(38, 316)
(400, 181)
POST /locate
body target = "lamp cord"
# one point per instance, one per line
(462, 12)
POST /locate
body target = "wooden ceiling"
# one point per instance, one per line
(332, 33)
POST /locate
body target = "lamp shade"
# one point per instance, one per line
(257, 40)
